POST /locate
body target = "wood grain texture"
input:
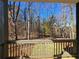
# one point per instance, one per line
(61, 1)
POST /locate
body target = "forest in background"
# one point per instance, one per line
(38, 27)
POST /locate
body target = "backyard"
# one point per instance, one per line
(41, 30)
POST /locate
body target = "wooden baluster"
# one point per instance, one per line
(30, 49)
(59, 47)
(70, 50)
(21, 49)
(63, 45)
(13, 50)
(18, 50)
(27, 49)
(24, 49)
(54, 48)
(9, 49)
(68, 47)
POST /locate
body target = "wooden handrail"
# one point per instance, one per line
(39, 41)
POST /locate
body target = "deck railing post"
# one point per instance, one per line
(3, 28)
(77, 7)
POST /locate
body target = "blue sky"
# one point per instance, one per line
(47, 9)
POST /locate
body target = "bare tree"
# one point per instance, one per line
(71, 21)
(14, 15)
(25, 19)
(29, 13)
(16, 19)
(64, 14)
(38, 26)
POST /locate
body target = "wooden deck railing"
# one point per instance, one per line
(26, 48)
(61, 45)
